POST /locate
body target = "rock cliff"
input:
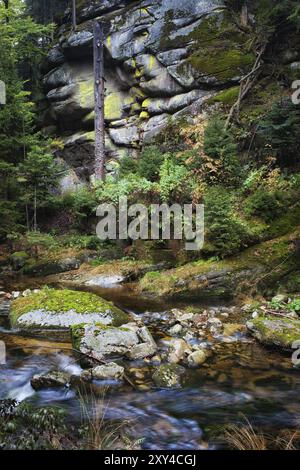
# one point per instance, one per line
(163, 60)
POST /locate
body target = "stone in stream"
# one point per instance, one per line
(52, 379)
(51, 310)
(281, 332)
(100, 342)
(105, 281)
(169, 376)
(178, 350)
(197, 358)
(108, 371)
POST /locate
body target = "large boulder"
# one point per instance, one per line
(279, 332)
(100, 342)
(51, 310)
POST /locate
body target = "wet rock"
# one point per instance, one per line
(274, 331)
(108, 371)
(175, 330)
(231, 329)
(85, 376)
(129, 341)
(178, 349)
(51, 379)
(105, 281)
(169, 376)
(197, 358)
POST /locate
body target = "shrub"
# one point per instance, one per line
(224, 230)
(280, 133)
(220, 147)
(175, 183)
(267, 205)
(150, 161)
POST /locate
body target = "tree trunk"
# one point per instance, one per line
(6, 4)
(35, 212)
(244, 15)
(99, 102)
(74, 19)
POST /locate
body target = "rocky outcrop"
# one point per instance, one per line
(162, 59)
(258, 269)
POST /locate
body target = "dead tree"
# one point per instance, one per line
(246, 85)
(6, 5)
(99, 102)
(74, 18)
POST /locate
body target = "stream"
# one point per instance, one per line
(242, 379)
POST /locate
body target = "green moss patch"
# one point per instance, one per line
(273, 331)
(63, 301)
(220, 49)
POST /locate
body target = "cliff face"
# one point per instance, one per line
(163, 58)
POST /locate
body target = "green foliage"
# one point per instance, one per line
(220, 146)
(26, 165)
(225, 231)
(24, 428)
(268, 205)
(150, 161)
(133, 186)
(81, 204)
(280, 133)
(176, 184)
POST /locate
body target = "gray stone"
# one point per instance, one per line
(108, 371)
(197, 358)
(53, 379)
(129, 341)
(178, 349)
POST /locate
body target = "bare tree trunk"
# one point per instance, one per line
(74, 18)
(99, 102)
(245, 15)
(246, 85)
(35, 212)
(6, 4)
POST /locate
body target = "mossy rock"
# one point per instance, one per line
(19, 259)
(169, 376)
(256, 270)
(58, 310)
(274, 331)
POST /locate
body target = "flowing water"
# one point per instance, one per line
(242, 379)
